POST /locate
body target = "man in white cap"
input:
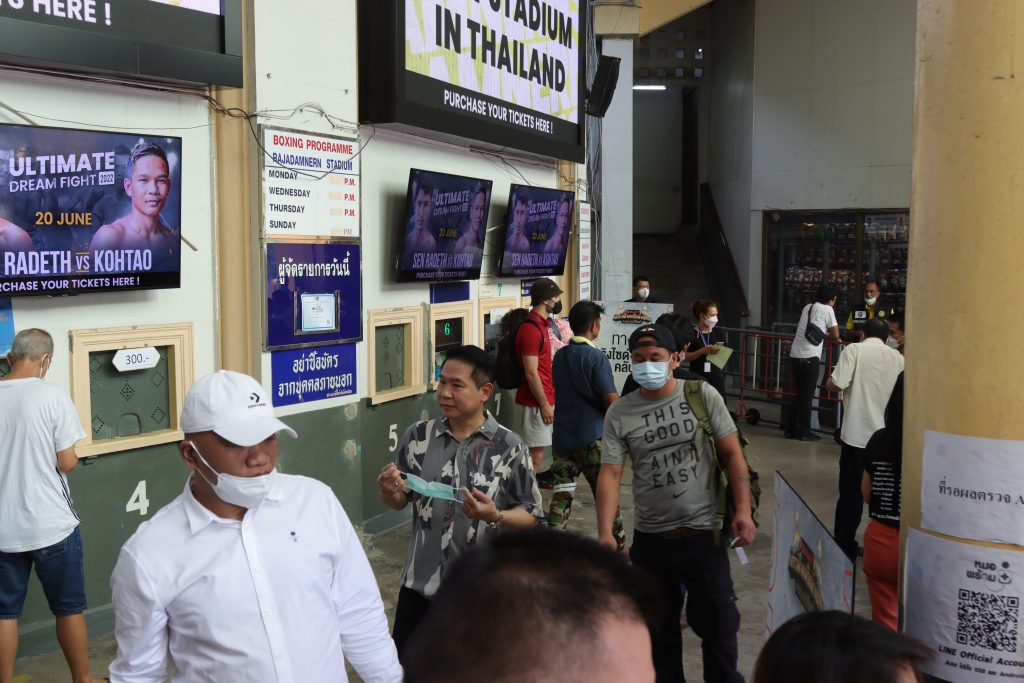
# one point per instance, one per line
(249, 574)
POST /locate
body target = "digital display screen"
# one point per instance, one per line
(318, 313)
(447, 334)
(444, 228)
(86, 211)
(539, 223)
(194, 41)
(506, 72)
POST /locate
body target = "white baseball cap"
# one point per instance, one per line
(232, 405)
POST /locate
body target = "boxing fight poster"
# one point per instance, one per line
(445, 227)
(810, 572)
(539, 224)
(88, 211)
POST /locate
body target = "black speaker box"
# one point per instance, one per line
(600, 96)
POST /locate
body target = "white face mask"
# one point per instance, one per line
(644, 292)
(871, 300)
(712, 321)
(892, 343)
(652, 375)
(245, 492)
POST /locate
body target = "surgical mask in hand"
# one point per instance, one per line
(245, 492)
(651, 375)
(644, 292)
(871, 300)
(431, 489)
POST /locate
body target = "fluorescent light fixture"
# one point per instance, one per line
(648, 87)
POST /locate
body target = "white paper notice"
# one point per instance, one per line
(310, 185)
(973, 487)
(964, 602)
(583, 272)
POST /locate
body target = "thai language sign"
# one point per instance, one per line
(963, 601)
(617, 323)
(304, 375)
(973, 487)
(314, 294)
(310, 185)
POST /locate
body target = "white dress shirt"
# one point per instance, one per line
(866, 372)
(285, 594)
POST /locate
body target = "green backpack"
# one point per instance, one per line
(725, 508)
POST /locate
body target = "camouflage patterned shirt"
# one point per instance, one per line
(493, 459)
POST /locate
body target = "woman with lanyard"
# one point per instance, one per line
(702, 345)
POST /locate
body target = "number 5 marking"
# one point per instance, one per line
(393, 436)
(138, 501)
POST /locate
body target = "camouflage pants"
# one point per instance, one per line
(561, 477)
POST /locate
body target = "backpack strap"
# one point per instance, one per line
(543, 332)
(717, 479)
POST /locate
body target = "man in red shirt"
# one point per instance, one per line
(537, 391)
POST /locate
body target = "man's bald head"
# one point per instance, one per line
(31, 345)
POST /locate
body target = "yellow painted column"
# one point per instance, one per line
(239, 293)
(964, 374)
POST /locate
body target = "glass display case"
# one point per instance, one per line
(804, 250)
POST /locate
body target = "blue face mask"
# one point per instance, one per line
(651, 375)
(431, 489)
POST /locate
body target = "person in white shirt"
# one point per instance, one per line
(249, 574)
(805, 361)
(865, 373)
(38, 522)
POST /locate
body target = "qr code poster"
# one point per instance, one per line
(964, 601)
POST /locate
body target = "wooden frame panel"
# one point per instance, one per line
(412, 317)
(487, 304)
(177, 337)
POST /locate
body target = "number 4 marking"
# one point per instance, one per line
(138, 501)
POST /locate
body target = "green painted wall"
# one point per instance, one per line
(343, 447)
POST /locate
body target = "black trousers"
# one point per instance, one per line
(805, 379)
(410, 611)
(850, 506)
(710, 603)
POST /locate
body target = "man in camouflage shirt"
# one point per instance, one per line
(584, 388)
(466, 476)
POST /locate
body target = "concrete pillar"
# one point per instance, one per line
(964, 374)
(614, 263)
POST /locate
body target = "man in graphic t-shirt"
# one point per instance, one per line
(40, 526)
(675, 508)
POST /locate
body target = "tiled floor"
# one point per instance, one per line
(812, 468)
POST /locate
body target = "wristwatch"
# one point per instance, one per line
(496, 523)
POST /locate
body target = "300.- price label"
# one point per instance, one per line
(127, 360)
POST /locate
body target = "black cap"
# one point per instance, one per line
(661, 335)
(543, 289)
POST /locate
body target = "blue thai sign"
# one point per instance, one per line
(304, 375)
(314, 294)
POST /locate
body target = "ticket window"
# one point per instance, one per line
(451, 327)
(492, 309)
(395, 353)
(448, 335)
(129, 384)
